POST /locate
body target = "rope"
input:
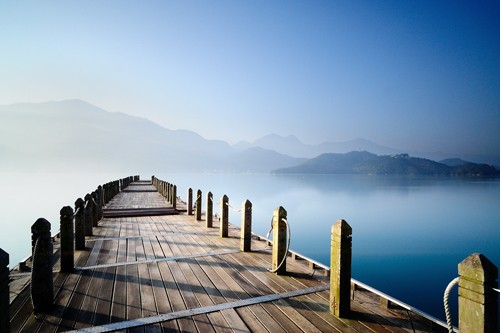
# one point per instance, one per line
(286, 250)
(446, 303)
(268, 234)
(236, 210)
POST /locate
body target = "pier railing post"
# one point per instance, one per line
(198, 206)
(340, 279)
(174, 196)
(190, 202)
(79, 224)
(4, 292)
(478, 309)
(88, 216)
(279, 252)
(246, 227)
(42, 293)
(95, 213)
(209, 210)
(67, 240)
(223, 225)
(100, 202)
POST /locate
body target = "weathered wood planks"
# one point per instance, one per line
(209, 271)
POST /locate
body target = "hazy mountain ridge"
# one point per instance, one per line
(74, 135)
(401, 164)
(291, 145)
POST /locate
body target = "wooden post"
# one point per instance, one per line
(106, 194)
(99, 202)
(223, 224)
(40, 228)
(4, 292)
(340, 280)
(279, 252)
(88, 215)
(190, 201)
(209, 211)
(42, 293)
(246, 227)
(67, 240)
(79, 224)
(95, 213)
(478, 308)
(198, 206)
(174, 196)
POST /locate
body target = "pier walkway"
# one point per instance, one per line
(151, 268)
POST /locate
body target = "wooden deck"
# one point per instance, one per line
(148, 268)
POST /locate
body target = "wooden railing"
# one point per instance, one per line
(478, 276)
(478, 309)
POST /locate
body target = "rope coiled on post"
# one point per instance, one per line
(446, 303)
(286, 249)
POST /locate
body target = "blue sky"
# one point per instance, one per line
(417, 75)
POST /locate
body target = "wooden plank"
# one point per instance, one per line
(119, 288)
(201, 321)
(232, 291)
(173, 293)
(148, 305)
(159, 289)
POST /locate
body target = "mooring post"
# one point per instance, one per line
(209, 210)
(88, 216)
(106, 194)
(279, 252)
(190, 202)
(223, 224)
(478, 308)
(41, 227)
(42, 294)
(198, 206)
(246, 227)
(99, 202)
(4, 292)
(67, 240)
(79, 224)
(174, 196)
(95, 213)
(340, 280)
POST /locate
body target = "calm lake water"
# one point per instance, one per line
(409, 233)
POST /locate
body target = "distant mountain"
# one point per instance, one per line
(453, 162)
(292, 146)
(401, 164)
(257, 159)
(74, 135)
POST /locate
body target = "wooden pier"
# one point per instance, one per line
(149, 267)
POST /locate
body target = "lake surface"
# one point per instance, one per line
(409, 233)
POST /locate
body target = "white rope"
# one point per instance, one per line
(268, 235)
(286, 250)
(236, 210)
(446, 303)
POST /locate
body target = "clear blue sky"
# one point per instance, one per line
(407, 74)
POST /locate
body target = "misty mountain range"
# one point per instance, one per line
(76, 136)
